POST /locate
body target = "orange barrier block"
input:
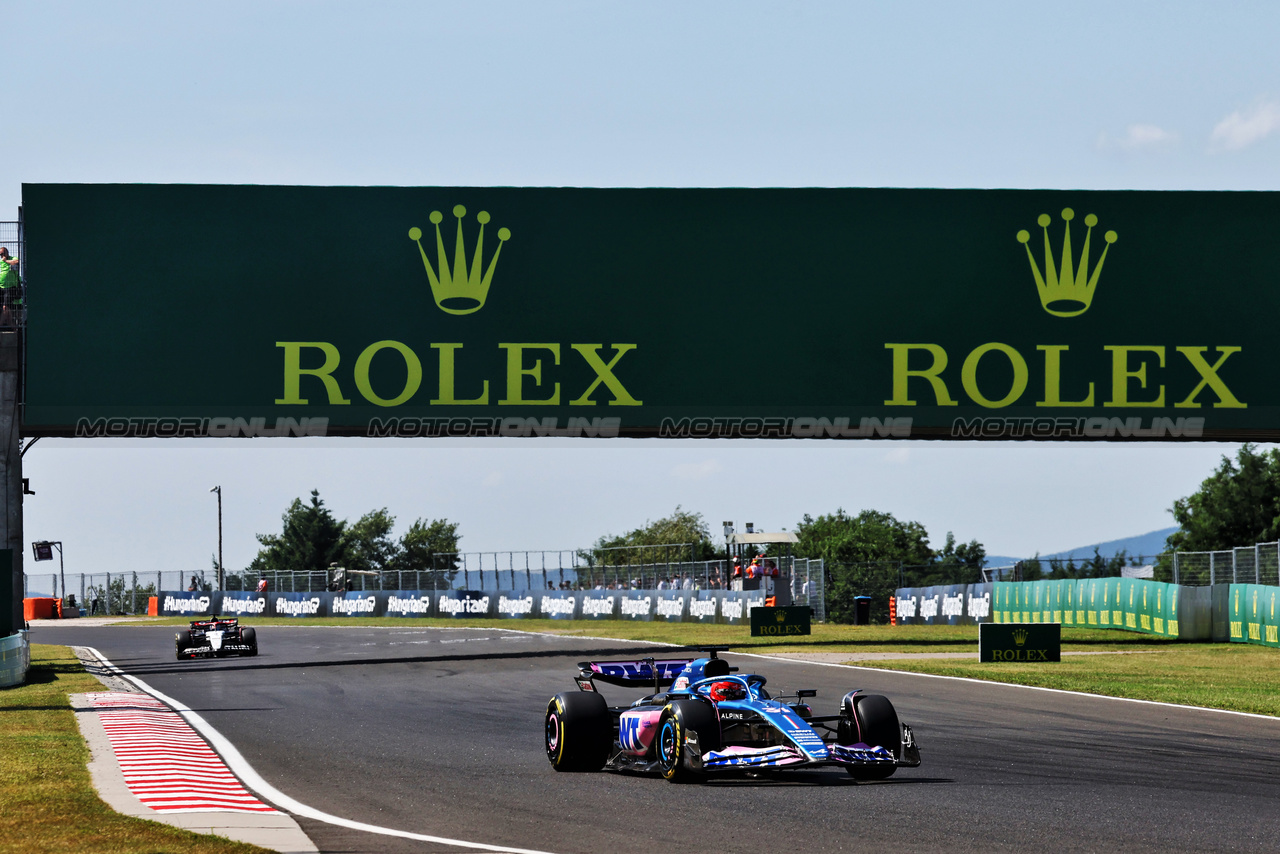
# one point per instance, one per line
(153, 606)
(38, 608)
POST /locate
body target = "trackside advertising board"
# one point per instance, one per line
(731, 607)
(1027, 642)
(768, 313)
(1133, 604)
(1255, 614)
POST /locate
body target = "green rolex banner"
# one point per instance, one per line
(1254, 614)
(1236, 608)
(758, 313)
(1271, 617)
(1251, 612)
(1150, 607)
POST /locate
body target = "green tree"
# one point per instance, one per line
(1237, 505)
(310, 540)
(864, 555)
(869, 536)
(861, 555)
(639, 547)
(367, 544)
(430, 549)
(957, 563)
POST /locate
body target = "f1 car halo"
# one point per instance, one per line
(714, 720)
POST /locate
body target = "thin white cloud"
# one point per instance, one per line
(900, 454)
(1138, 137)
(1243, 128)
(697, 471)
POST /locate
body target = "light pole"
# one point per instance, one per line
(218, 489)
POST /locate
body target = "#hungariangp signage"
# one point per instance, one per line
(806, 313)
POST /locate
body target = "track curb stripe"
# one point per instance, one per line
(168, 745)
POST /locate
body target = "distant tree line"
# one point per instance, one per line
(312, 540)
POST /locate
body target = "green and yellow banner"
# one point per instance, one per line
(188, 310)
(1133, 604)
(1254, 614)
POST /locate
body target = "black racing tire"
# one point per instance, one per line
(879, 727)
(182, 640)
(249, 638)
(579, 731)
(672, 752)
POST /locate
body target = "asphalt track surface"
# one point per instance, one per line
(440, 732)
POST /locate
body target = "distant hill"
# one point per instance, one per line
(1149, 545)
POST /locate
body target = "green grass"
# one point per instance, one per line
(1239, 677)
(47, 802)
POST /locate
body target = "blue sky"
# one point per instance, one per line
(1167, 95)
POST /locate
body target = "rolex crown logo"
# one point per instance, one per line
(1066, 290)
(460, 290)
(781, 617)
(1020, 636)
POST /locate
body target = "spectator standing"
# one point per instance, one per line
(9, 288)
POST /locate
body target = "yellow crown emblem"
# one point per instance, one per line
(1020, 636)
(781, 616)
(460, 291)
(1067, 289)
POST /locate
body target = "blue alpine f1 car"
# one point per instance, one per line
(711, 720)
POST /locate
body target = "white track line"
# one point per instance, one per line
(253, 780)
(1016, 685)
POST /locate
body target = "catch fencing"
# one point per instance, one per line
(1256, 564)
(111, 592)
(800, 581)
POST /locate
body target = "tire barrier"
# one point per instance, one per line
(15, 659)
(677, 606)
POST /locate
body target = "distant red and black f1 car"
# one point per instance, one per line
(713, 720)
(216, 637)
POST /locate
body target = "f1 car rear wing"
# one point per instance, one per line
(645, 671)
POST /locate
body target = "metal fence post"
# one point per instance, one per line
(1211, 570)
(1257, 573)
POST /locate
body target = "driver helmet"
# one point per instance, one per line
(721, 691)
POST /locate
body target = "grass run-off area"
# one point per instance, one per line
(47, 802)
(1238, 677)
